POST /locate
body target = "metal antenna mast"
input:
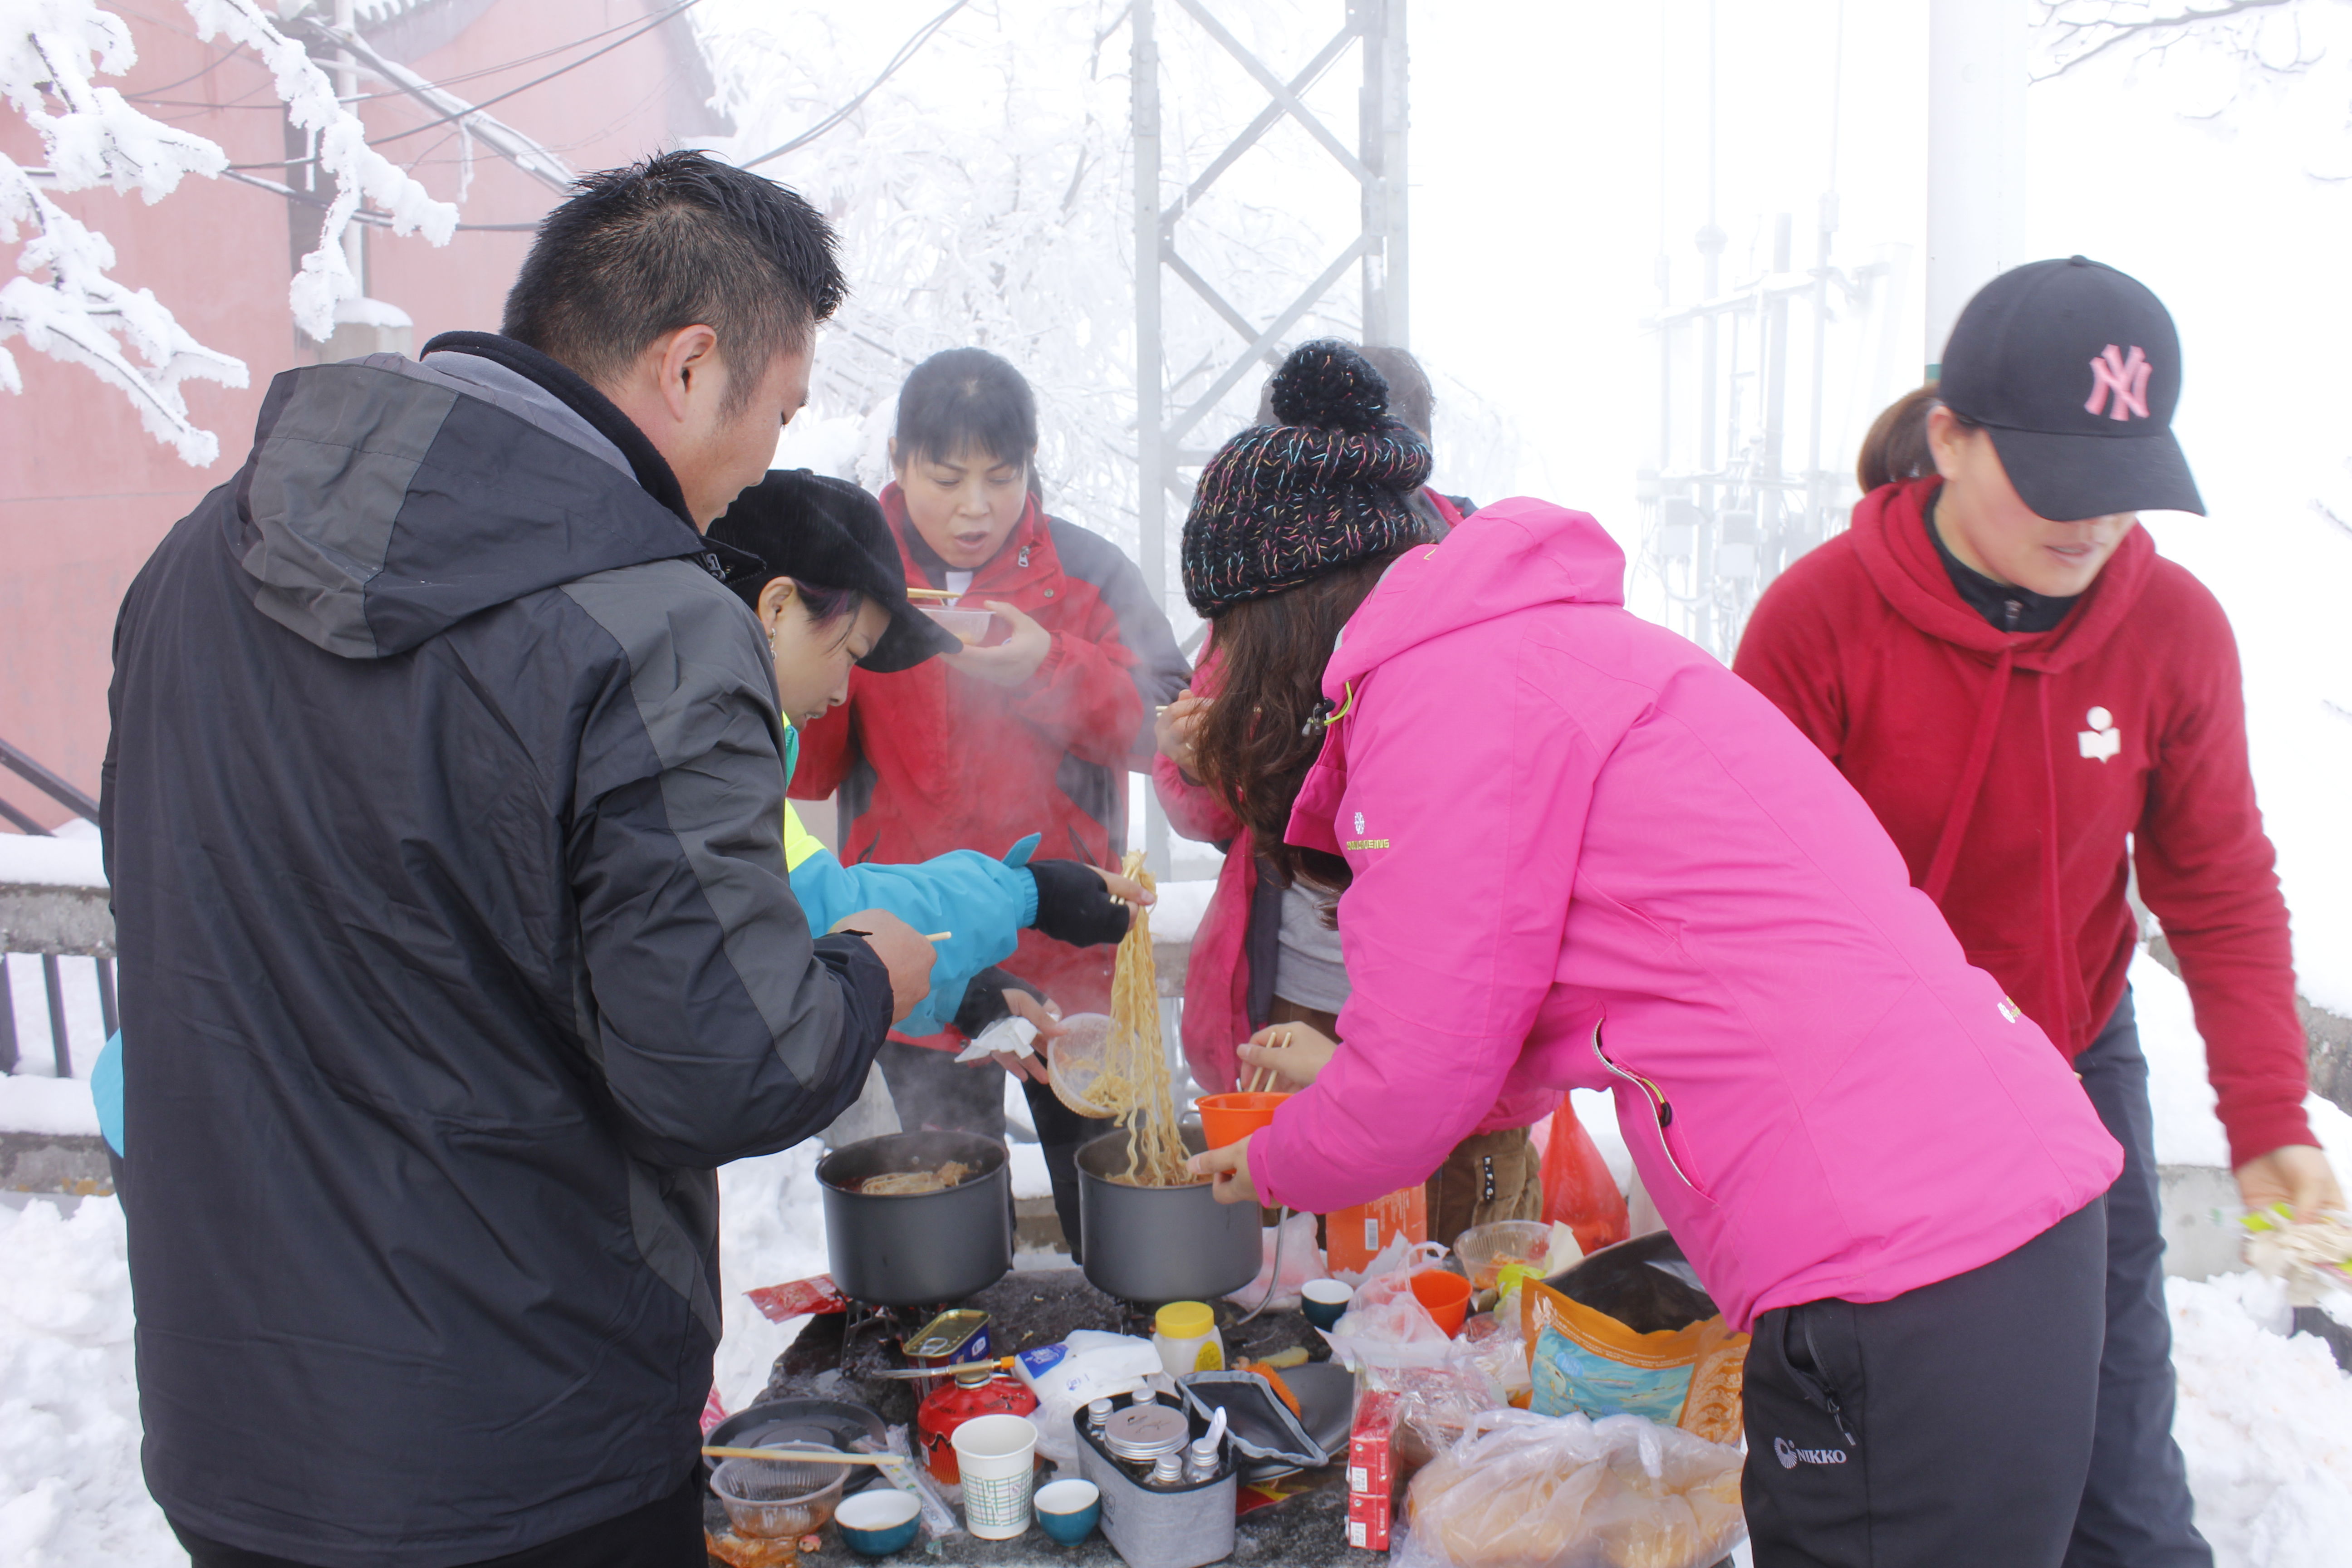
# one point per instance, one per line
(1165, 440)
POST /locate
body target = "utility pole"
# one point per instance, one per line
(1975, 154)
(1166, 443)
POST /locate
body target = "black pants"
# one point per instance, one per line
(2135, 1511)
(662, 1534)
(1952, 1424)
(929, 1088)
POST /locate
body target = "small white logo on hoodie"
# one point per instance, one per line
(2102, 740)
(1359, 822)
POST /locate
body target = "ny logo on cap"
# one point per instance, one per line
(2126, 378)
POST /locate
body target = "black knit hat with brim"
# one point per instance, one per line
(1282, 504)
(827, 533)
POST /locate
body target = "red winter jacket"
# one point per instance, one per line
(2009, 767)
(930, 759)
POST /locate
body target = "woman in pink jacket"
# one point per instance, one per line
(1580, 853)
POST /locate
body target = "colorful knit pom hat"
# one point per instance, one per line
(1281, 504)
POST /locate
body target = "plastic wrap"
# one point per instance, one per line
(1301, 1260)
(1521, 1490)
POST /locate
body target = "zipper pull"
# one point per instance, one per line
(2012, 609)
(1024, 555)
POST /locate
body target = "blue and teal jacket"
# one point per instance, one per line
(983, 902)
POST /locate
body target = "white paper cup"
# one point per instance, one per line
(997, 1455)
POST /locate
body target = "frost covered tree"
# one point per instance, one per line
(984, 197)
(64, 302)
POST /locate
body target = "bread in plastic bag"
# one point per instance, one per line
(1521, 1490)
(1629, 1331)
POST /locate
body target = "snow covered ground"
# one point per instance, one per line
(2265, 1420)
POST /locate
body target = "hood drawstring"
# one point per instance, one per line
(2053, 924)
(1964, 805)
(1964, 799)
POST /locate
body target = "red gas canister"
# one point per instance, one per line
(975, 1393)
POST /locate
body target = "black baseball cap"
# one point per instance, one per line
(2074, 369)
(828, 533)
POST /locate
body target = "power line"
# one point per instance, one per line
(683, 6)
(906, 52)
(474, 74)
(373, 219)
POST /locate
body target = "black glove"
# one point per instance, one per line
(984, 1000)
(1074, 906)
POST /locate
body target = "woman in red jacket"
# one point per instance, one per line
(2034, 702)
(1034, 730)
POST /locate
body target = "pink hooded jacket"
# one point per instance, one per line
(1588, 856)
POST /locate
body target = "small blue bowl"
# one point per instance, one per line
(1068, 1511)
(1325, 1301)
(877, 1522)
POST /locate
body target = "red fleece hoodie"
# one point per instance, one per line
(2010, 769)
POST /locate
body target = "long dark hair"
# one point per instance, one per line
(1896, 448)
(1254, 743)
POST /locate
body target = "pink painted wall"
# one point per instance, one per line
(85, 492)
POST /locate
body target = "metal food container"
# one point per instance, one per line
(918, 1250)
(950, 1339)
(1155, 1245)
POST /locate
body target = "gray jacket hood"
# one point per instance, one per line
(387, 499)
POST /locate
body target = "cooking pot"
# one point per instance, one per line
(1153, 1245)
(918, 1250)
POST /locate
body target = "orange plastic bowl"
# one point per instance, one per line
(1446, 1295)
(1230, 1117)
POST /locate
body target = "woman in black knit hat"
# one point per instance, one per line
(1292, 524)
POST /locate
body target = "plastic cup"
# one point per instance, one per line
(997, 1455)
(1445, 1294)
(1230, 1117)
(1484, 1249)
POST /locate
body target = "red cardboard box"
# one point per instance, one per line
(1371, 1470)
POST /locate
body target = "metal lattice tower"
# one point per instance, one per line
(1165, 440)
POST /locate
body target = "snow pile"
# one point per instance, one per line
(71, 1497)
(44, 1103)
(61, 862)
(2265, 1423)
(770, 1229)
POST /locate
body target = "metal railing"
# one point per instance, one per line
(54, 923)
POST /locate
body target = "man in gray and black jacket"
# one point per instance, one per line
(443, 811)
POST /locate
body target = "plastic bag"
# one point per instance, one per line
(1435, 1406)
(1301, 1260)
(1578, 1190)
(1538, 1491)
(1629, 1330)
(1386, 1326)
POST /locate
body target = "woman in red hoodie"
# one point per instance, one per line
(2034, 702)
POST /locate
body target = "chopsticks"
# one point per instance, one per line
(1261, 1079)
(931, 594)
(937, 935)
(808, 1456)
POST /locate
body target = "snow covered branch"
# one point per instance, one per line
(50, 50)
(2079, 31)
(359, 170)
